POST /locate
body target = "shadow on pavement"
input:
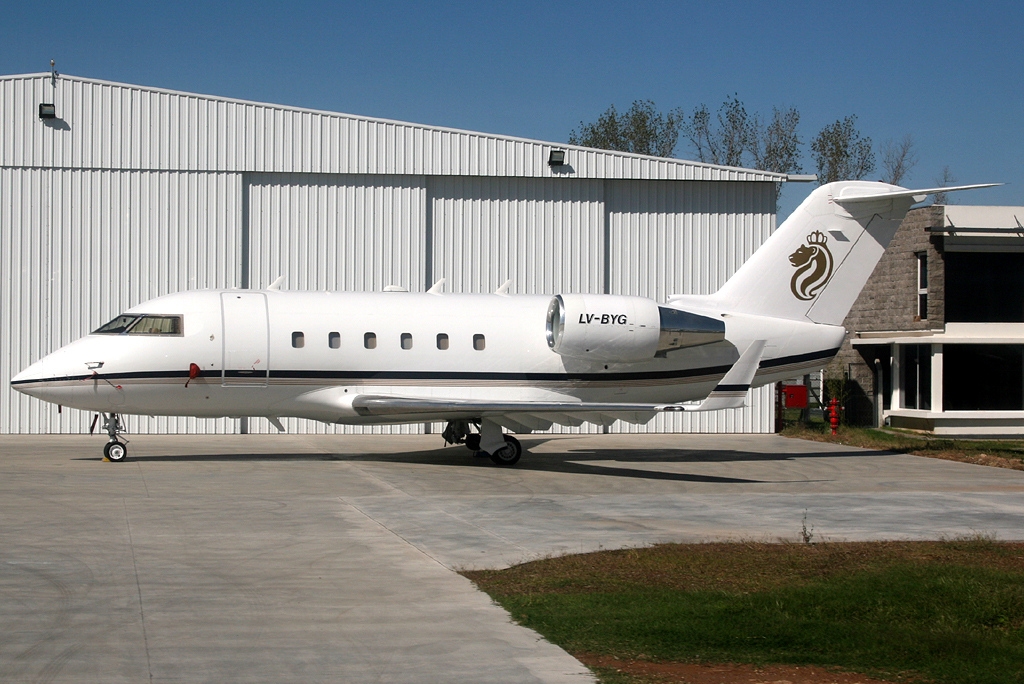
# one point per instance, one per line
(568, 462)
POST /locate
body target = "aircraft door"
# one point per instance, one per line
(246, 339)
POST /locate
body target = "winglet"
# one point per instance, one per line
(276, 285)
(436, 287)
(731, 392)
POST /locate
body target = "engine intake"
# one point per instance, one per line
(620, 328)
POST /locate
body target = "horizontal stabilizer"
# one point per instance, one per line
(918, 195)
(731, 392)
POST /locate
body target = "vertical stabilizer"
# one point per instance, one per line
(815, 264)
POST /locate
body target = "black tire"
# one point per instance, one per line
(509, 454)
(473, 442)
(115, 452)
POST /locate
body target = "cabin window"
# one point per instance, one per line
(334, 340)
(442, 341)
(370, 340)
(406, 340)
(479, 343)
(298, 340)
(155, 325)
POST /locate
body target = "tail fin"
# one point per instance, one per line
(814, 266)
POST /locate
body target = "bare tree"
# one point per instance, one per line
(944, 180)
(722, 139)
(841, 153)
(898, 158)
(642, 130)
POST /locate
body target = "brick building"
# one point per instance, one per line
(936, 338)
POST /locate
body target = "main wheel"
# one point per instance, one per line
(115, 452)
(508, 454)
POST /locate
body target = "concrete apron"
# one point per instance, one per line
(306, 558)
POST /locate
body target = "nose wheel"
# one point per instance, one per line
(115, 450)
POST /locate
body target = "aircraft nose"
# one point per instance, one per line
(35, 372)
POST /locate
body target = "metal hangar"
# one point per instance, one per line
(115, 194)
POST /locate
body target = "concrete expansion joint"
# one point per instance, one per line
(393, 532)
(138, 588)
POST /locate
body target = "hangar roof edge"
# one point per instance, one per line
(625, 163)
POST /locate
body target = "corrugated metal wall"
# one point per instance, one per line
(78, 247)
(687, 238)
(135, 192)
(544, 234)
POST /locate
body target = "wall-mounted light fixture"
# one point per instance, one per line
(49, 111)
(556, 158)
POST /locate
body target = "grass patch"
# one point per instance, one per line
(993, 452)
(942, 611)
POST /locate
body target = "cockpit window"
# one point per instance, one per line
(117, 326)
(156, 325)
(134, 324)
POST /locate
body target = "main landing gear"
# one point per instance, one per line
(503, 450)
(115, 450)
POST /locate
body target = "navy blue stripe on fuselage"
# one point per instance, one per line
(341, 375)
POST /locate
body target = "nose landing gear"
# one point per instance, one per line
(115, 450)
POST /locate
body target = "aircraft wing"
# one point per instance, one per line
(731, 392)
(519, 416)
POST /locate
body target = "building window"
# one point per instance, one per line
(334, 340)
(406, 340)
(370, 340)
(442, 341)
(479, 343)
(916, 371)
(298, 340)
(922, 285)
(984, 287)
(983, 377)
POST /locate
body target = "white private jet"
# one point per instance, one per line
(486, 362)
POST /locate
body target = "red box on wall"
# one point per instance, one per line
(794, 396)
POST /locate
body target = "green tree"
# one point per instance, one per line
(841, 153)
(641, 130)
(722, 139)
(776, 146)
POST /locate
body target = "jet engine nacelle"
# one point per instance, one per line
(619, 328)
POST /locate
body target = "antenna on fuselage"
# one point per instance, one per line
(276, 285)
(436, 287)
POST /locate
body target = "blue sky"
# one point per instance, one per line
(948, 73)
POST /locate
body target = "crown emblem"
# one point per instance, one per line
(817, 238)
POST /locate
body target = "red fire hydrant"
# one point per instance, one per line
(833, 410)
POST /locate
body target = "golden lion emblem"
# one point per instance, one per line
(813, 264)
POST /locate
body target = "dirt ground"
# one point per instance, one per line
(726, 673)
